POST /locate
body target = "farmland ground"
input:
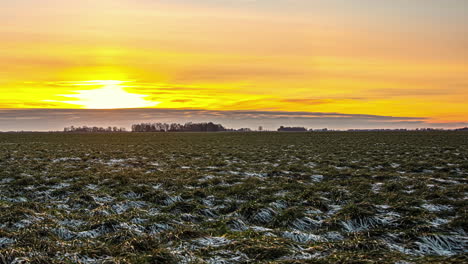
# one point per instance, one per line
(367, 197)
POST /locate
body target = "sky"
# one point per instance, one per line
(336, 62)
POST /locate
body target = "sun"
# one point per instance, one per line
(111, 95)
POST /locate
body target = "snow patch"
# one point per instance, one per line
(4, 242)
(302, 237)
(436, 208)
(442, 245)
(212, 241)
(317, 178)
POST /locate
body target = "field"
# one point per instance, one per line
(337, 197)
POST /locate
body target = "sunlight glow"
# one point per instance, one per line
(110, 96)
(314, 56)
(100, 82)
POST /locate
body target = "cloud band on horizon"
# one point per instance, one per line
(56, 119)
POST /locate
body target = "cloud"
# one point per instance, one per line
(181, 100)
(240, 72)
(56, 119)
(451, 124)
(319, 101)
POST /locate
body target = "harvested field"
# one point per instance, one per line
(336, 197)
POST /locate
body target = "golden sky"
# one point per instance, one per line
(389, 58)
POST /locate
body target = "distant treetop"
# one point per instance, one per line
(292, 129)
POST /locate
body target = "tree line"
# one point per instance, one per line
(175, 127)
(94, 129)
